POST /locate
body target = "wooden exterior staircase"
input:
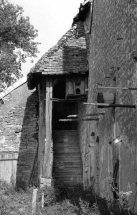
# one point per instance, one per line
(67, 163)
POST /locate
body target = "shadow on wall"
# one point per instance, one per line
(27, 168)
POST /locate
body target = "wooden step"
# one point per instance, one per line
(77, 153)
(68, 184)
(65, 132)
(62, 165)
(62, 143)
(66, 150)
(63, 148)
(66, 155)
(70, 179)
(66, 147)
(74, 170)
(72, 184)
(68, 174)
(65, 136)
(67, 169)
(60, 146)
(67, 159)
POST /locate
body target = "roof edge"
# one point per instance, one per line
(61, 42)
(13, 87)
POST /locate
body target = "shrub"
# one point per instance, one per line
(59, 200)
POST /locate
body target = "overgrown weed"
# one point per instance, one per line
(58, 200)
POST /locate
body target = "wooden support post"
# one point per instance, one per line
(47, 166)
(97, 165)
(34, 201)
(42, 135)
(91, 173)
(42, 200)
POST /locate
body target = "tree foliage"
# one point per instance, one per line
(16, 41)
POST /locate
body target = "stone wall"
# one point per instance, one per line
(113, 44)
(19, 134)
(87, 141)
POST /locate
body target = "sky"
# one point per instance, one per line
(52, 19)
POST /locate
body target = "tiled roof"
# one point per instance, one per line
(69, 55)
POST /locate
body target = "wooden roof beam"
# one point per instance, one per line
(72, 120)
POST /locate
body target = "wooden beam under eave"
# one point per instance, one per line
(48, 155)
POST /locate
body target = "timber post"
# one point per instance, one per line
(41, 139)
(48, 155)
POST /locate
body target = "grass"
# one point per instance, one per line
(59, 200)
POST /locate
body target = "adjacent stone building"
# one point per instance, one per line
(18, 134)
(111, 32)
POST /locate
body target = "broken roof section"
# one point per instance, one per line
(68, 56)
